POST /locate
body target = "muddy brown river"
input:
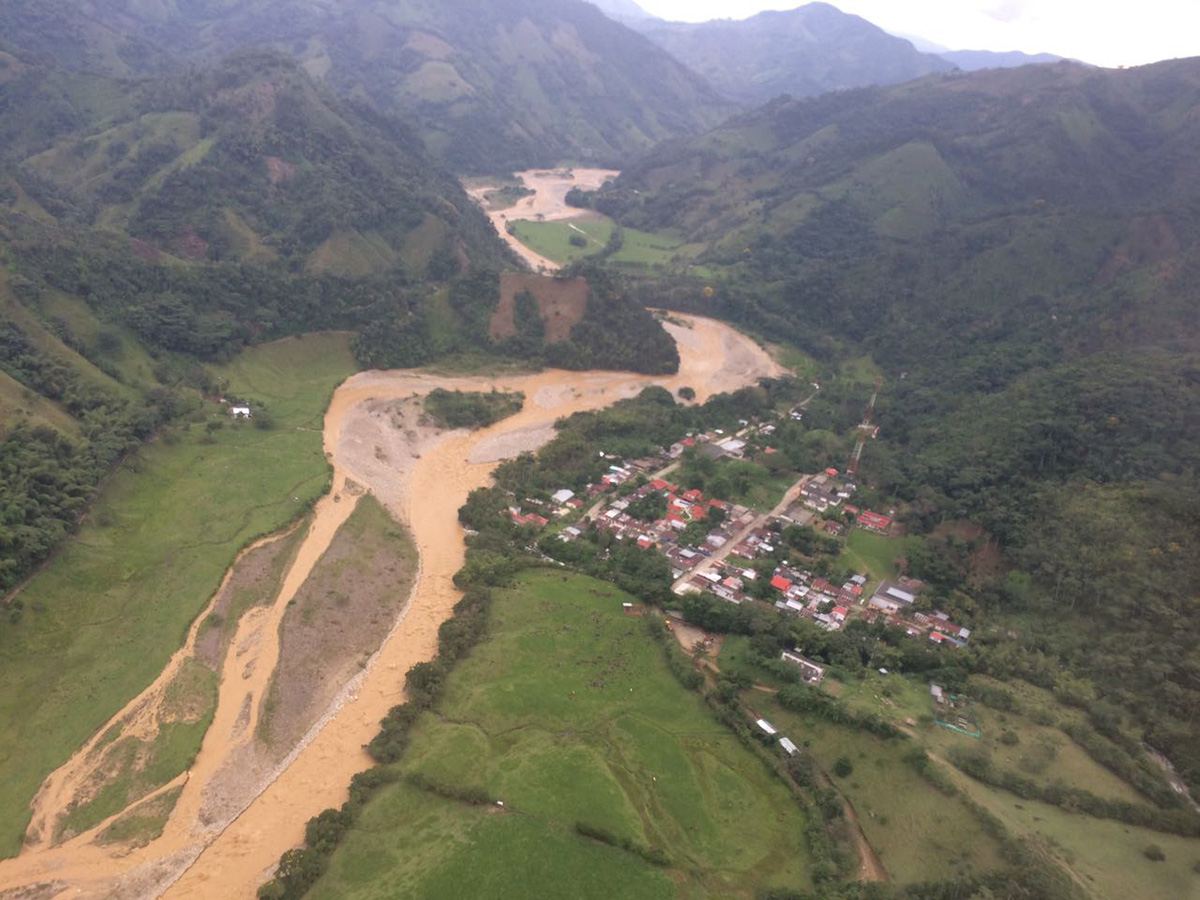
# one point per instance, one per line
(226, 834)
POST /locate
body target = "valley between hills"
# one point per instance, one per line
(223, 832)
(529, 448)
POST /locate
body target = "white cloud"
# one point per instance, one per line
(1105, 32)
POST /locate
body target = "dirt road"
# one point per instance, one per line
(548, 203)
(224, 846)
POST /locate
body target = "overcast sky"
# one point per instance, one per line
(1104, 32)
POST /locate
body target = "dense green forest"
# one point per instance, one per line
(1017, 251)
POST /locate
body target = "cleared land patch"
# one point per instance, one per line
(561, 303)
(568, 713)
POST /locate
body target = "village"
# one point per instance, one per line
(735, 553)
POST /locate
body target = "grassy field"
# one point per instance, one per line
(553, 239)
(1106, 856)
(874, 554)
(644, 248)
(103, 617)
(21, 406)
(1042, 754)
(568, 714)
(640, 249)
(129, 356)
(898, 810)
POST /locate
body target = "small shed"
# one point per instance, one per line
(239, 412)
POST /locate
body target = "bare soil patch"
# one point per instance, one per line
(336, 621)
(561, 304)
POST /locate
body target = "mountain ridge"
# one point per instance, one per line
(801, 52)
(493, 87)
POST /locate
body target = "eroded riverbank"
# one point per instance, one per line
(223, 846)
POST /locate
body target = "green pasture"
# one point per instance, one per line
(874, 554)
(1106, 856)
(102, 618)
(568, 714)
(919, 833)
(640, 249)
(1043, 754)
(21, 406)
(553, 239)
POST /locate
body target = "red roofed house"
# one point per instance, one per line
(693, 495)
(780, 583)
(873, 521)
(658, 484)
(839, 613)
(831, 471)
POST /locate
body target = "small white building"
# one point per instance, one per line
(562, 496)
(766, 727)
(239, 412)
(788, 746)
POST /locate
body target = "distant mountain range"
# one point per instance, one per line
(492, 86)
(802, 52)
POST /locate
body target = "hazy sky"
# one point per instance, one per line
(1104, 32)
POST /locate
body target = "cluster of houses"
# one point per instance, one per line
(683, 507)
(538, 513)
(724, 580)
(795, 591)
(800, 594)
(896, 602)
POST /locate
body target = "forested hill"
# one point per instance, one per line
(806, 51)
(494, 85)
(150, 227)
(1019, 251)
(247, 161)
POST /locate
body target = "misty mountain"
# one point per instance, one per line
(491, 85)
(974, 60)
(802, 52)
(622, 10)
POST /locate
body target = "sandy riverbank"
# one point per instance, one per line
(217, 844)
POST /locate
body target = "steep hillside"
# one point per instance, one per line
(249, 161)
(802, 52)
(1019, 251)
(494, 86)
